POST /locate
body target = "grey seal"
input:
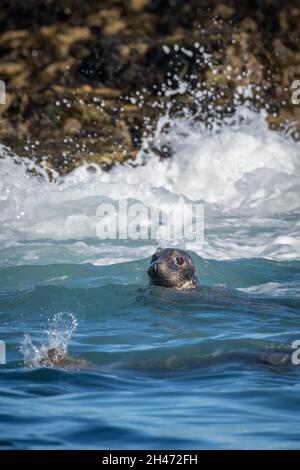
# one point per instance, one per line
(58, 357)
(170, 267)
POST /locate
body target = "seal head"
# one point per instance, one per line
(172, 268)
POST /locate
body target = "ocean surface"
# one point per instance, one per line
(155, 368)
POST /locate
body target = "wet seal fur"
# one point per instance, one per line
(58, 357)
(171, 267)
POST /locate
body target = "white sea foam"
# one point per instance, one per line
(275, 289)
(247, 175)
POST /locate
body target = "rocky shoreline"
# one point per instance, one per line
(86, 81)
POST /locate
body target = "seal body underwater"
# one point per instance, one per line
(171, 267)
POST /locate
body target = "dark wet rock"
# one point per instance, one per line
(75, 71)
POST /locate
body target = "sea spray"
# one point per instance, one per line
(246, 174)
(57, 335)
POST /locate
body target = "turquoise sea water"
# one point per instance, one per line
(168, 369)
(160, 368)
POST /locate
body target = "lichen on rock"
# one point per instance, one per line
(86, 81)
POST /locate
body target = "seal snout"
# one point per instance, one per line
(153, 268)
(155, 273)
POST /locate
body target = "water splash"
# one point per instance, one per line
(247, 174)
(57, 336)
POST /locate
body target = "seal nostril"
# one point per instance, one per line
(150, 271)
(153, 269)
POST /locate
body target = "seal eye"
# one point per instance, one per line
(179, 260)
